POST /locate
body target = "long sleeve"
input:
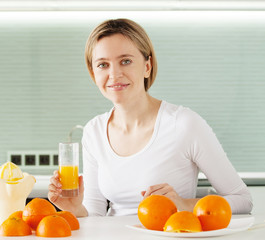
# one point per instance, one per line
(211, 159)
(94, 201)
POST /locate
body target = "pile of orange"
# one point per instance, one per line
(39, 215)
(158, 212)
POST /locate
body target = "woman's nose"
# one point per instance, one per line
(115, 72)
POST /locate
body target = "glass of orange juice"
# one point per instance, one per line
(68, 168)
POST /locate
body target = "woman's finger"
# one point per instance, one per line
(53, 188)
(55, 181)
(53, 196)
(162, 191)
(152, 189)
(56, 174)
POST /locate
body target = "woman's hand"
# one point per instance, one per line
(72, 204)
(162, 189)
(168, 191)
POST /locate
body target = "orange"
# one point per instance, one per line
(183, 222)
(14, 227)
(154, 211)
(37, 209)
(214, 212)
(17, 214)
(53, 226)
(70, 218)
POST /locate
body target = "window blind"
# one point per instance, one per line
(209, 61)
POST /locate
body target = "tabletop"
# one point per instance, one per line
(115, 228)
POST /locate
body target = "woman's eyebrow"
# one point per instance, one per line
(125, 55)
(101, 59)
(121, 56)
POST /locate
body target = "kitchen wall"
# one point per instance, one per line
(212, 62)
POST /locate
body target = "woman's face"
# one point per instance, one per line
(119, 69)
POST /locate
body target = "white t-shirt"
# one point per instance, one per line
(182, 144)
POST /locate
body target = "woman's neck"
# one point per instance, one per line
(134, 114)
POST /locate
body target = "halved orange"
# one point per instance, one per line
(183, 222)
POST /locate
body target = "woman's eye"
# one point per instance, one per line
(126, 61)
(102, 65)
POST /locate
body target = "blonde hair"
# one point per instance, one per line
(132, 31)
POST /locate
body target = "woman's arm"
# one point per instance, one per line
(206, 152)
(209, 156)
(94, 201)
(90, 201)
(73, 204)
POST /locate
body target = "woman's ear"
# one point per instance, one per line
(148, 67)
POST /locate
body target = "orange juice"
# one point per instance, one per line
(69, 180)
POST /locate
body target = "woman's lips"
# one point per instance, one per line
(118, 86)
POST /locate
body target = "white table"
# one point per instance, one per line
(114, 228)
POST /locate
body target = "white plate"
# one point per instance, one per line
(238, 223)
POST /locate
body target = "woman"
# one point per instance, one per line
(143, 146)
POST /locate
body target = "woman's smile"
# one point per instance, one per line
(118, 86)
